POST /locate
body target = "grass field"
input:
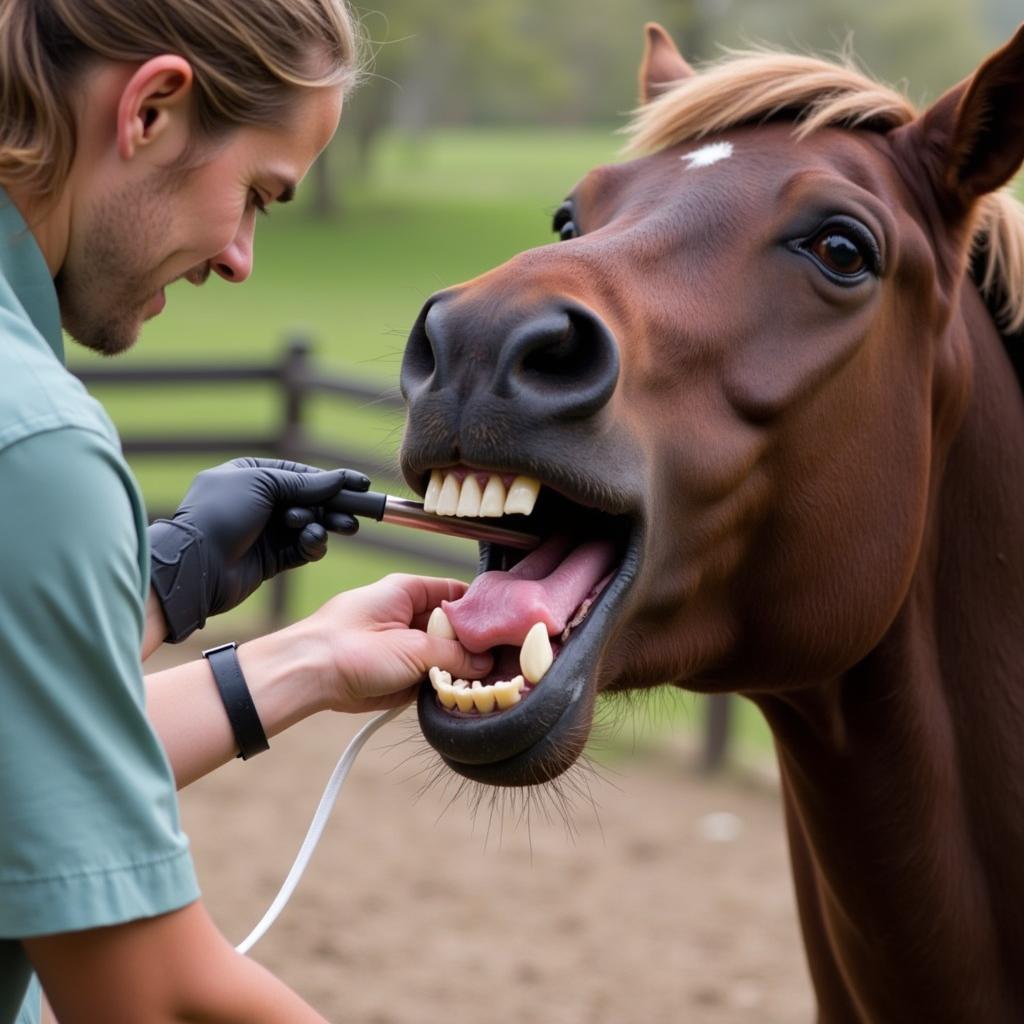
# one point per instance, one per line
(434, 213)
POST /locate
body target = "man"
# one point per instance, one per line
(138, 140)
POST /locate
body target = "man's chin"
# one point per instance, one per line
(106, 339)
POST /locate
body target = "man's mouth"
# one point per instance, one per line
(533, 613)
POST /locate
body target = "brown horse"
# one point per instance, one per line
(780, 444)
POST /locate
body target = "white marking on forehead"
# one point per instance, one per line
(708, 155)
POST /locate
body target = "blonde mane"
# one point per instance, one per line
(752, 86)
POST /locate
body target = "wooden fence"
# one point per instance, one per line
(297, 381)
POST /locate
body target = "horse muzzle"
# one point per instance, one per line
(509, 416)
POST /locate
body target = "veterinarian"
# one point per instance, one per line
(138, 141)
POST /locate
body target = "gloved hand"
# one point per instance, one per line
(240, 524)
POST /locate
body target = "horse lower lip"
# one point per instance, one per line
(541, 736)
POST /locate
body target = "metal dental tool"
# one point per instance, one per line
(386, 508)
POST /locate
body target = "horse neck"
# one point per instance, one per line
(904, 779)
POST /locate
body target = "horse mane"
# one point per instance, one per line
(751, 86)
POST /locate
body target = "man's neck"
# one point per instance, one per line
(48, 222)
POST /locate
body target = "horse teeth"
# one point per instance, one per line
(469, 498)
(439, 677)
(536, 655)
(446, 693)
(448, 499)
(507, 692)
(433, 491)
(463, 695)
(522, 495)
(483, 697)
(493, 500)
(439, 625)
(448, 495)
(466, 696)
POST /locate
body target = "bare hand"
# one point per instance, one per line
(378, 648)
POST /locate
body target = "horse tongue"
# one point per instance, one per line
(547, 586)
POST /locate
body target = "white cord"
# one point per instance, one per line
(317, 825)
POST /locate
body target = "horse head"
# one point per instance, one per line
(724, 396)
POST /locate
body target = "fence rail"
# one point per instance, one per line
(298, 379)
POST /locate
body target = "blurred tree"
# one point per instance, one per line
(574, 61)
(923, 45)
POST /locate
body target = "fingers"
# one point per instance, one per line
(312, 542)
(453, 657)
(297, 518)
(341, 523)
(353, 480)
(336, 522)
(425, 593)
(309, 546)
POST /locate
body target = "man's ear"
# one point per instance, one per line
(156, 99)
(662, 65)
(972, 138)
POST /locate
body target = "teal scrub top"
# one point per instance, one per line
(89, 828)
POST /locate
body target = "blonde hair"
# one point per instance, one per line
(248, 60)
(748, 87)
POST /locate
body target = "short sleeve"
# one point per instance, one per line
(89, 827)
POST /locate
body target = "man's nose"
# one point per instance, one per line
(235, 262)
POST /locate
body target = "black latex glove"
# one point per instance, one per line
(240, 524)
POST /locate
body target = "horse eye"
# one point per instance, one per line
(564, 223)
(839, 253)
(844, 249)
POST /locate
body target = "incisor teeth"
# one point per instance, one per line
(493, 501)
(439, 625)
(483, 697)
(433, 491)
(439, 678)
(506, 693)
(446, 694)
(536, 656)
(448, 499)
(463, 695)
(469, 497)
(522, 495)
(448, 496)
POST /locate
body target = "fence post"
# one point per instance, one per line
(294, 373)
(716, 736)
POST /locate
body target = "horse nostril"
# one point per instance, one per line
(419, 361)
(564, 363)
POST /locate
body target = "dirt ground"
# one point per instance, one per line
(666, 899)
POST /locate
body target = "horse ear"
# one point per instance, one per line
(663, 65)
(977, 128)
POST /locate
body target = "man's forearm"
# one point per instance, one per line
(166, 970)
(284, 677)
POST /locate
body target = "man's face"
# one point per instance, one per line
(133, 237)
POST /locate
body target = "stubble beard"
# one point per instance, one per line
(103, 291)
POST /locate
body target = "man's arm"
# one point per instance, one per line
(364, 650)
(160, 970)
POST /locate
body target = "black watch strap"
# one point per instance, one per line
(242, 714)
